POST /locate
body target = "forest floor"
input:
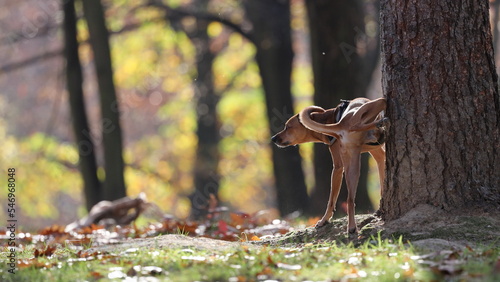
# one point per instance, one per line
(425, 228)
(426, 244)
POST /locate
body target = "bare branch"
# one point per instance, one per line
(17, 36)
(174, 14)
(36, 59)
(59, 52)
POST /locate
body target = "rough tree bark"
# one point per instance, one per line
(74, 80)
(339, 73)
(114, 185)
(443, 102)
(272, 36)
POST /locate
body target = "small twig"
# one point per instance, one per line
(177, 13)
(59, 52)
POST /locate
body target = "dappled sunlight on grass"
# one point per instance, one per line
(53, 254)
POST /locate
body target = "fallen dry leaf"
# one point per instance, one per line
(96, 275)
(239, 219)
(49, 251)
(254, 238)
(54, 230)
(267, 271)
(34, 263)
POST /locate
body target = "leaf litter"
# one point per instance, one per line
(55, 246)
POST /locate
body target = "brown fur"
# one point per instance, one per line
(353, 132)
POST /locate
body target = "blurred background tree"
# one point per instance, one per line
(344, 54)
(114, 182)
(205, 171)
(274, 55)
(206, 175)
(200, 87)
(74, 83)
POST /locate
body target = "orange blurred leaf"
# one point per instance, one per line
(238, 218)
(255, 238)
(54, 230)
(189, 227)
(96, 275)
(313, 220)
(34, 263)
(266, 271)
(270, 261)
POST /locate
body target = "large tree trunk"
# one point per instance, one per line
(74, 80)
(114, 185)
(206, 176)
(440, 80)
(339, 73)
(272, 34)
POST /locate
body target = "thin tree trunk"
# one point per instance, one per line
(114, 185)
(272, 34)
(74, 80)
(443, 102)
(206, 176)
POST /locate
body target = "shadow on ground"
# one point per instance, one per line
(425, 227)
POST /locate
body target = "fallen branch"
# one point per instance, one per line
(119, 212)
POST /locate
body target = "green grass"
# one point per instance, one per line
(376, 260)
